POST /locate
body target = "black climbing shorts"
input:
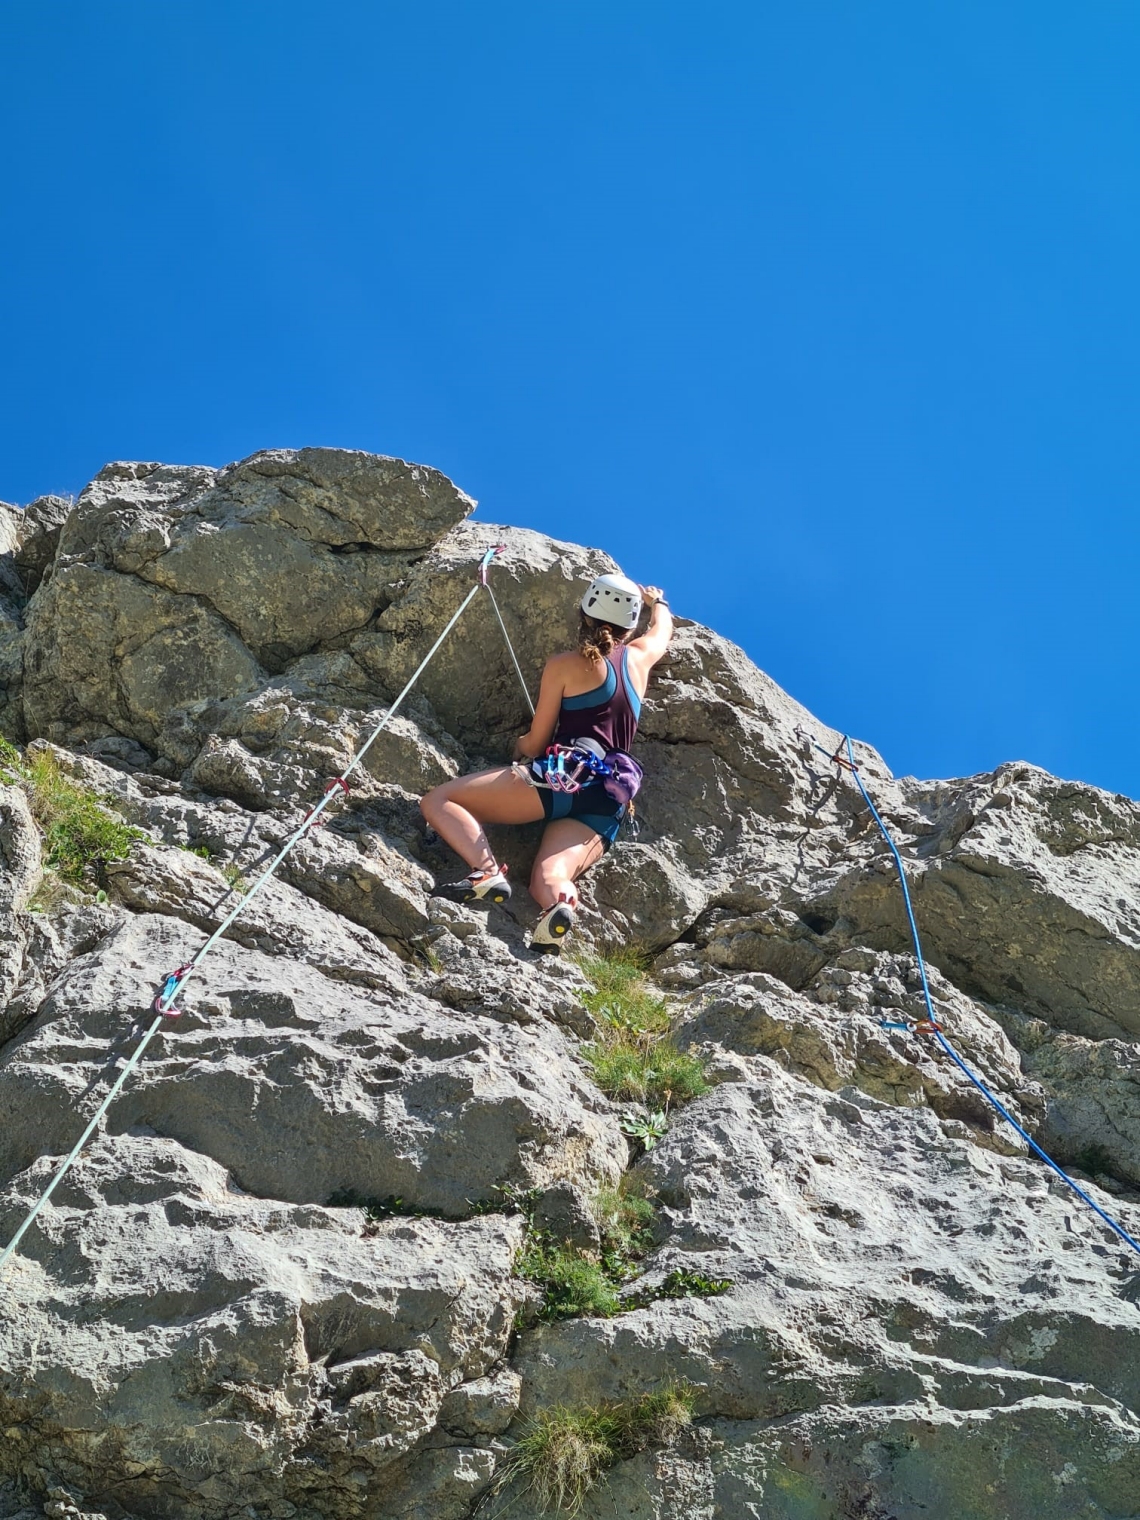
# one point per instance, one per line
(591, 805)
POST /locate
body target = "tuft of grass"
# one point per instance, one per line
(661, 1076)
(620, 996)
(626, 1219)
(234, 878)
(565, 1450)
(560, 1456)
(80, 833)
(572, 1283)
(633, 1056)
(576, 1282)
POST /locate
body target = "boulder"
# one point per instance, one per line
(304, 1087)
(212, 1352)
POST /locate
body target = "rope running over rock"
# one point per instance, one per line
(164, 1004)
(932, 1026)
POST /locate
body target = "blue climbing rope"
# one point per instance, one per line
(932, 1025)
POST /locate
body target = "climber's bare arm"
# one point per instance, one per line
(648, 649)
(538, 736)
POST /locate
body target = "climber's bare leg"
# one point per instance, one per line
(458, 809)
(568, 848)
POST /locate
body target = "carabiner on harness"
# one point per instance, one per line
(569, 767)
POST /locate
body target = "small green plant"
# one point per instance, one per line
(646, 1128)
(234, 878)
(202, 851)
(679, 1285)
(572, 1283)
(11, 762)
(565, 1450)
(80, 833)
(509, 1200)
(577, 1282)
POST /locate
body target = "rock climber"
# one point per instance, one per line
(589, 703)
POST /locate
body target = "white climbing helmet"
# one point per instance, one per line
(613, 599)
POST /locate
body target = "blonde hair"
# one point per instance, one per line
(597, 640)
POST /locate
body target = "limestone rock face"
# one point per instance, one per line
(280, 1281)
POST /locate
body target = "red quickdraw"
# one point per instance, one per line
(337, 781)
(927, 1026)
(169, 988)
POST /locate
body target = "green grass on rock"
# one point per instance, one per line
(565, 1450)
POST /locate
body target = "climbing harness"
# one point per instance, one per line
(930, 1025)
(567, 767)
(165, 1004)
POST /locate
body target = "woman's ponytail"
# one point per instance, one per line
(596, 640)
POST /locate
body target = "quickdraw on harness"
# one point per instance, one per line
(164, 1004)
(931, 1026)
(568, 767)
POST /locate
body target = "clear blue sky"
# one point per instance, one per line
(824, 316)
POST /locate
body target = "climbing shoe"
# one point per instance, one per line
(553, 927)
(481, 886)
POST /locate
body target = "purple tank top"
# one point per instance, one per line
(608, 714)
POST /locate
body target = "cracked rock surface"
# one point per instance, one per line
(281, 1279)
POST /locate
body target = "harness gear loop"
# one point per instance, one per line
(568, 767)
(243, 902)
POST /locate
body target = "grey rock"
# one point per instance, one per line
(971, 1294)
(756, 1014)
(21, 868)
(484, 1407)
(39, 538)
(303, 1086)
(210, 1350)
(1092, 1097)
(921, 1319)
(280, 921)
(566, 1216)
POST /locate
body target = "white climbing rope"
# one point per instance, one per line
(510, 649)
(174, 983)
